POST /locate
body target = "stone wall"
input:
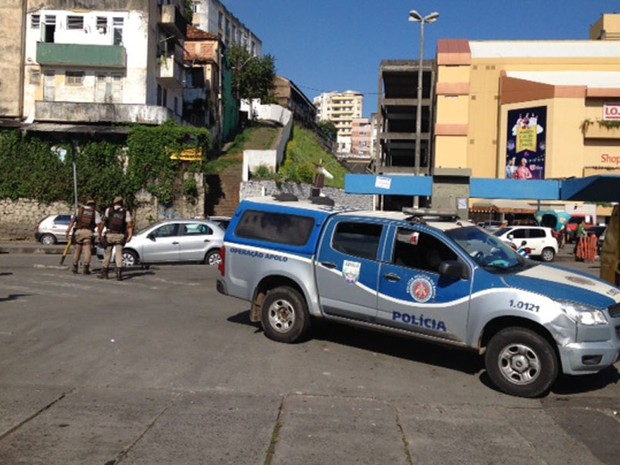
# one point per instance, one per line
(19, 218)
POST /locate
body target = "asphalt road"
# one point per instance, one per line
(161, 369)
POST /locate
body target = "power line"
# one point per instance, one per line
(327, 91)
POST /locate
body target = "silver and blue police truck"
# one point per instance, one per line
(424, 274)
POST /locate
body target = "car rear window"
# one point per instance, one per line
(281, 228)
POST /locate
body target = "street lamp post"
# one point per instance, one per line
(414, 16)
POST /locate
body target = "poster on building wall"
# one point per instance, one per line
(526, 145)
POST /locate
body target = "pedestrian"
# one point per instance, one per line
(119, 230)
(580, 244)
(84, 222)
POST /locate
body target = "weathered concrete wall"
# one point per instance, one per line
(302, 191)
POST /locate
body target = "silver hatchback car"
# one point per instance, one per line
(52, 229)
(175, 241)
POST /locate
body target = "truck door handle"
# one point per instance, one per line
(175, 243)
(329, 265)
(392, 277)
(207, 240)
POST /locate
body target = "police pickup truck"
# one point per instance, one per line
(422, 274)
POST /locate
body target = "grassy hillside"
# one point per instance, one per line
(303, 152)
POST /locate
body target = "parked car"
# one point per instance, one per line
(539, 240)
(223, 221)
(491, 225)
(175, 241)
(52, 229)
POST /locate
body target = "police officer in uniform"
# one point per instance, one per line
(119, 230)
(84, 223)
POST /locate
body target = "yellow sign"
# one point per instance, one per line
(526, 139)
(188, 155)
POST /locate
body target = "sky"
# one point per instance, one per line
(338, 45)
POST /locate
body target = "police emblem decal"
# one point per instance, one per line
(421, 288)
(351, 271)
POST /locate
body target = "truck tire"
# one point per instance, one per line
(521, 362)
(285, 316)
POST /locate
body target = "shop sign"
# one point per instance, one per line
(611, 112)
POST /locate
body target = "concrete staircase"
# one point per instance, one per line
(230, 181)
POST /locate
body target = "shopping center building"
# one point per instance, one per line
(530, 110)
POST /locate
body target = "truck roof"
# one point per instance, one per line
(441, 221)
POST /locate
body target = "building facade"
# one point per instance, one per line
(212, 16)
(103, 61)
(289, 96)
(530, 109)
(341, 108)
(361, 138)
(397, 137)
(12, 17)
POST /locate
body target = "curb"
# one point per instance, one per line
(32, 249)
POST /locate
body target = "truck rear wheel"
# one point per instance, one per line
(521, 363)
(285, 315)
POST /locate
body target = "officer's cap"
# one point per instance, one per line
(118, 199)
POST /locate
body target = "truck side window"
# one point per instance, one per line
(415, 249)
(281, 228)
(357, 239)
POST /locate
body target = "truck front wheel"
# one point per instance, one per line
(521, 363)
(285, 315)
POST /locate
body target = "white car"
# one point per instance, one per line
(538, 239)
(175, 241)
(52, 229)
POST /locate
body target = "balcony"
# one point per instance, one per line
(92, 112)
(169, 72)
(82, 55)
(173, 22)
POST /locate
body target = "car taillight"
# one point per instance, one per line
(222, 265)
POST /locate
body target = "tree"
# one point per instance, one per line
(252, 76)
(328, 128)
(189, 12)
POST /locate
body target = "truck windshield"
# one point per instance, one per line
(488, 251)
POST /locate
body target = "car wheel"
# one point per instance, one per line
(285, 316)
(130, 258)
(548, 254)
(521, 363)
(213, 257)
(48, 239)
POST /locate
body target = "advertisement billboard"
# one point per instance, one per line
(526, 143)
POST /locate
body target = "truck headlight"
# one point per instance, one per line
(583, 314)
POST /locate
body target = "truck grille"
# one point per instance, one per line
(618, 332)
(614, 310)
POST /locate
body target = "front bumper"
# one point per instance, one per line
(589, 357)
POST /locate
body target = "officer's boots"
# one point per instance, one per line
(119, 274)
(74, 268)
(103, 274)
(86, 269)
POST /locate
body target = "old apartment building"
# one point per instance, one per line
(341, 108)
(115, 62)
(212, 16)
